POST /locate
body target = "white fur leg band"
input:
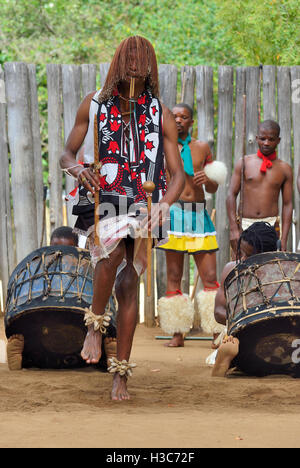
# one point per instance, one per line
(216, 171)
(206, 307)
(176, 314)
(100, 322)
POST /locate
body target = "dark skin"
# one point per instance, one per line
(193, 192)
(230, 346)
(105, 272)
(262, 190)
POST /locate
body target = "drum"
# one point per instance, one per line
(263, 312)
(47, 296)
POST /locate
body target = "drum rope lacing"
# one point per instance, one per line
(251, 271)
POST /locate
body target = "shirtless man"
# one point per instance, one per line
(191, 231)
(259, 237)
(265, 177)
(132, 149)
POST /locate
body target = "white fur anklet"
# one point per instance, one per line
(176, 314)
(100, 322)
(206, 307)
(121, 367)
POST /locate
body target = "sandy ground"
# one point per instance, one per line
(175, 403)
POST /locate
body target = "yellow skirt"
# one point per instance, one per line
(191, 245)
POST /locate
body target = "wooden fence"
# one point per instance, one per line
(272, 92)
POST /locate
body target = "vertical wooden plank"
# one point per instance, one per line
(7, 261)
(104, 67)
(240, 91)
(71, 86)
(205, 104)
(284, 96)
(252, 93)
(224, 153)
(168, 96)
(269, 92)
(205, 120)
(55, 144)
(22, 164)
(284, 113)
(88, 78)
(37, 155)
(295, 82)
(188, 78)
(168, 84)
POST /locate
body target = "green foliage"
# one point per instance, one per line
(264, 32)
(88, 31)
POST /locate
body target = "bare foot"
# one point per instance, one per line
(176, 342)
(15, 347)
(119, 390)
(214, 345)
(91, 351)
(226, 353)
(110, 347)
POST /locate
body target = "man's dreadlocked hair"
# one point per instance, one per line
(262, 236)
(146, 66)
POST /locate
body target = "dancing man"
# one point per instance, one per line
(192, 232)
(135, 133)
(264, 176)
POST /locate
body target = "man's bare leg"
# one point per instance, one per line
(226, 353)
(104, 278)
(175, 262)
(14, 349)
(127, 297)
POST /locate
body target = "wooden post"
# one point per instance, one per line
(55, 145)
(104, 67)
(240, 90)
(37, 155)
(71, 85)
(7, 261)
(22, 164)
(284, 95)
(224, 153)
(168, 95)
(284, 113)
(295, 82)
(205, 120)
(188, 78)
(252, 94)
(269, 92)
(88, 78)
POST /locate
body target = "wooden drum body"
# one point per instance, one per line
(47, 296)
(263, 312)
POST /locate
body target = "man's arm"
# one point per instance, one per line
(74, 142)
(174, 164)
(234, 190)
(287, 206)
(200, 178)
(220, 300)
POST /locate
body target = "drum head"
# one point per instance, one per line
(269, 346)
